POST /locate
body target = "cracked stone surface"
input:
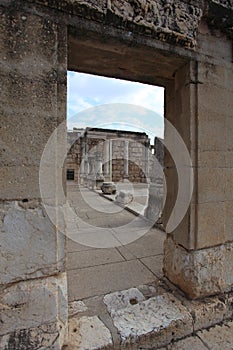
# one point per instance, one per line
(218, 337)
(121, 300)
(20, 229)
(42, 338)
(162, 318)
(76, 307)
(31, 304)
(88, 333)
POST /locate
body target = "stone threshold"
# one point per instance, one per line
(145, 318)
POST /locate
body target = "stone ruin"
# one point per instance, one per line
(185, 46)
(111, 155)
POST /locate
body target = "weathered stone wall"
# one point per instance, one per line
(94, 142)
(33, 296)
(185, 46)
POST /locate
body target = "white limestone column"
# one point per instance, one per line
(126, 159)
(106, 159)
(110, 160)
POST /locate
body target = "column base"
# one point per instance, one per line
(199, 273)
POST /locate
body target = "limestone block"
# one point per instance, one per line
(218, 337)
(30, 245)
(207, 312)
(108, 188)
(123, 299)
(212, 159)
(211, 185)
(215, 74)
(229, 133)
(89, 333)
(34, 303)
(211, 224)
(189, 343)
(76, 307)
(33, 95)
(199, 273)
(212, 127)
(228, 206)
(124, 197)
(44, 337)
(229, 184)
(217, 46)
(216, 100)
(155, 200)
(157, 320)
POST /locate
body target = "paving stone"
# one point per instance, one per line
(218, 337)
(190, 343)
(103, 279)
(73, 246)
(88, 333)
(123, 299)
(158, 320)
(206, 312)
(155, 264)
(92, 257)
(148, 245)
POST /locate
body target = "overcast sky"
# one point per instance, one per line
(96, 101)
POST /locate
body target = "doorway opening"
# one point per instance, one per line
(114, 132)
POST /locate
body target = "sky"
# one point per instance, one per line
(101, 102)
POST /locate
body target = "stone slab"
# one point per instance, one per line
(88, 333)
(76, 307)
(148, 245)
(33, 303)
(155, 264)
(218, 337)
(199, 273)
(103, 279)
(30, 246)
(43, 337)
(122, 299)
(94, 257)
(158, 320)
(208, 312)
(190, 343)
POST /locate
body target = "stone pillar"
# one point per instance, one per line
(154, 207)
(32, 252)
(91, 175)
(110, 160)
(99, 173)
(199, 252)
(106, 160)
(82, 166)
(147, 161)
(126, 159)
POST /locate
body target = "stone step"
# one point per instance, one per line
(145, 321)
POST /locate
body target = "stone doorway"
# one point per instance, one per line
(136, 257)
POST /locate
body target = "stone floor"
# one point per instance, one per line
(118, 296)
(104, 270)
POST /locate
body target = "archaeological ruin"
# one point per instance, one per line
(111, 155)
(184, 46)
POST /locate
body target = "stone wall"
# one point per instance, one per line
(33, 295)
(94, 141)
(185, 46)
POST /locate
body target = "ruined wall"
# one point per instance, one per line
(33, 296)
(185, 46)
(93, 142)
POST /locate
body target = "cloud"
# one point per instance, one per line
(111, 99)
